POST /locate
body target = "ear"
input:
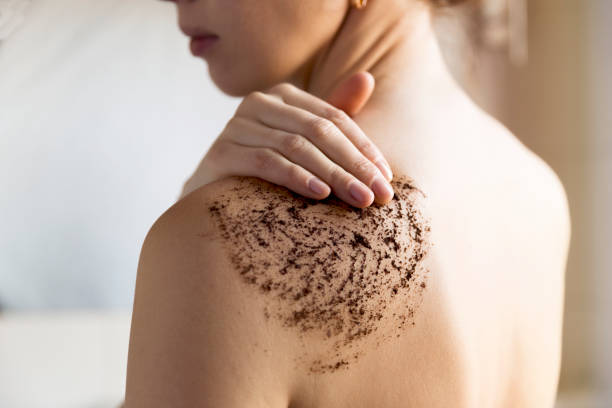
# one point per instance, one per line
(352, 93)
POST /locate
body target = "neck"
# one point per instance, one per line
(395, 42)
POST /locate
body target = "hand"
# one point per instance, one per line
(291, 138)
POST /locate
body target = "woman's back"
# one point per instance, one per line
(449, 295)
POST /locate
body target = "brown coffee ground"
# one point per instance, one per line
(327, 267)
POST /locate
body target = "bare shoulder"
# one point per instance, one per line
(325, 272)
(242, 277)
(553, 198)
(542, 193)
(527, 183)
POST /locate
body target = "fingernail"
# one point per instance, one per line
(360, 192)
(382, 188)
(384, 167)
(317, 186)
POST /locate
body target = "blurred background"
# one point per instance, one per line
(104, 113)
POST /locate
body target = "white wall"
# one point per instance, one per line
(600, 117)
(103, 114)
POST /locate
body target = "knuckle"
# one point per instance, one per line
(366, 147)
(321, 128)
(336, 115)
(364, 166)
(338, 176)
(292, 144)
(255, 96)
(281, 88)
(217, 150)
(251, 99)
(263, 159)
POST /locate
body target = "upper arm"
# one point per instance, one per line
(196, 339)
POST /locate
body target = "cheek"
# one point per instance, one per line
(253, 53)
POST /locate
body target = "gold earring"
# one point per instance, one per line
(359, 4)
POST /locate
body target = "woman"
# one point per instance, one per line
(446, 291)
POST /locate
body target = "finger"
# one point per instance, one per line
(352, 94)
(324, 134)
(302, 99)
(302, 152)
(268, 164)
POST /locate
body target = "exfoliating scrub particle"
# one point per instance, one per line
(327, 268)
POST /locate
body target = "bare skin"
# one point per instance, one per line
(487, 332)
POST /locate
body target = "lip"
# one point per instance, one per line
(200, 44)
(193, 31)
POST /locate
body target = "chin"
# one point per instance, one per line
(232, 84)
(237, 84)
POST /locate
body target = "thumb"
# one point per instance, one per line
(352, 94)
